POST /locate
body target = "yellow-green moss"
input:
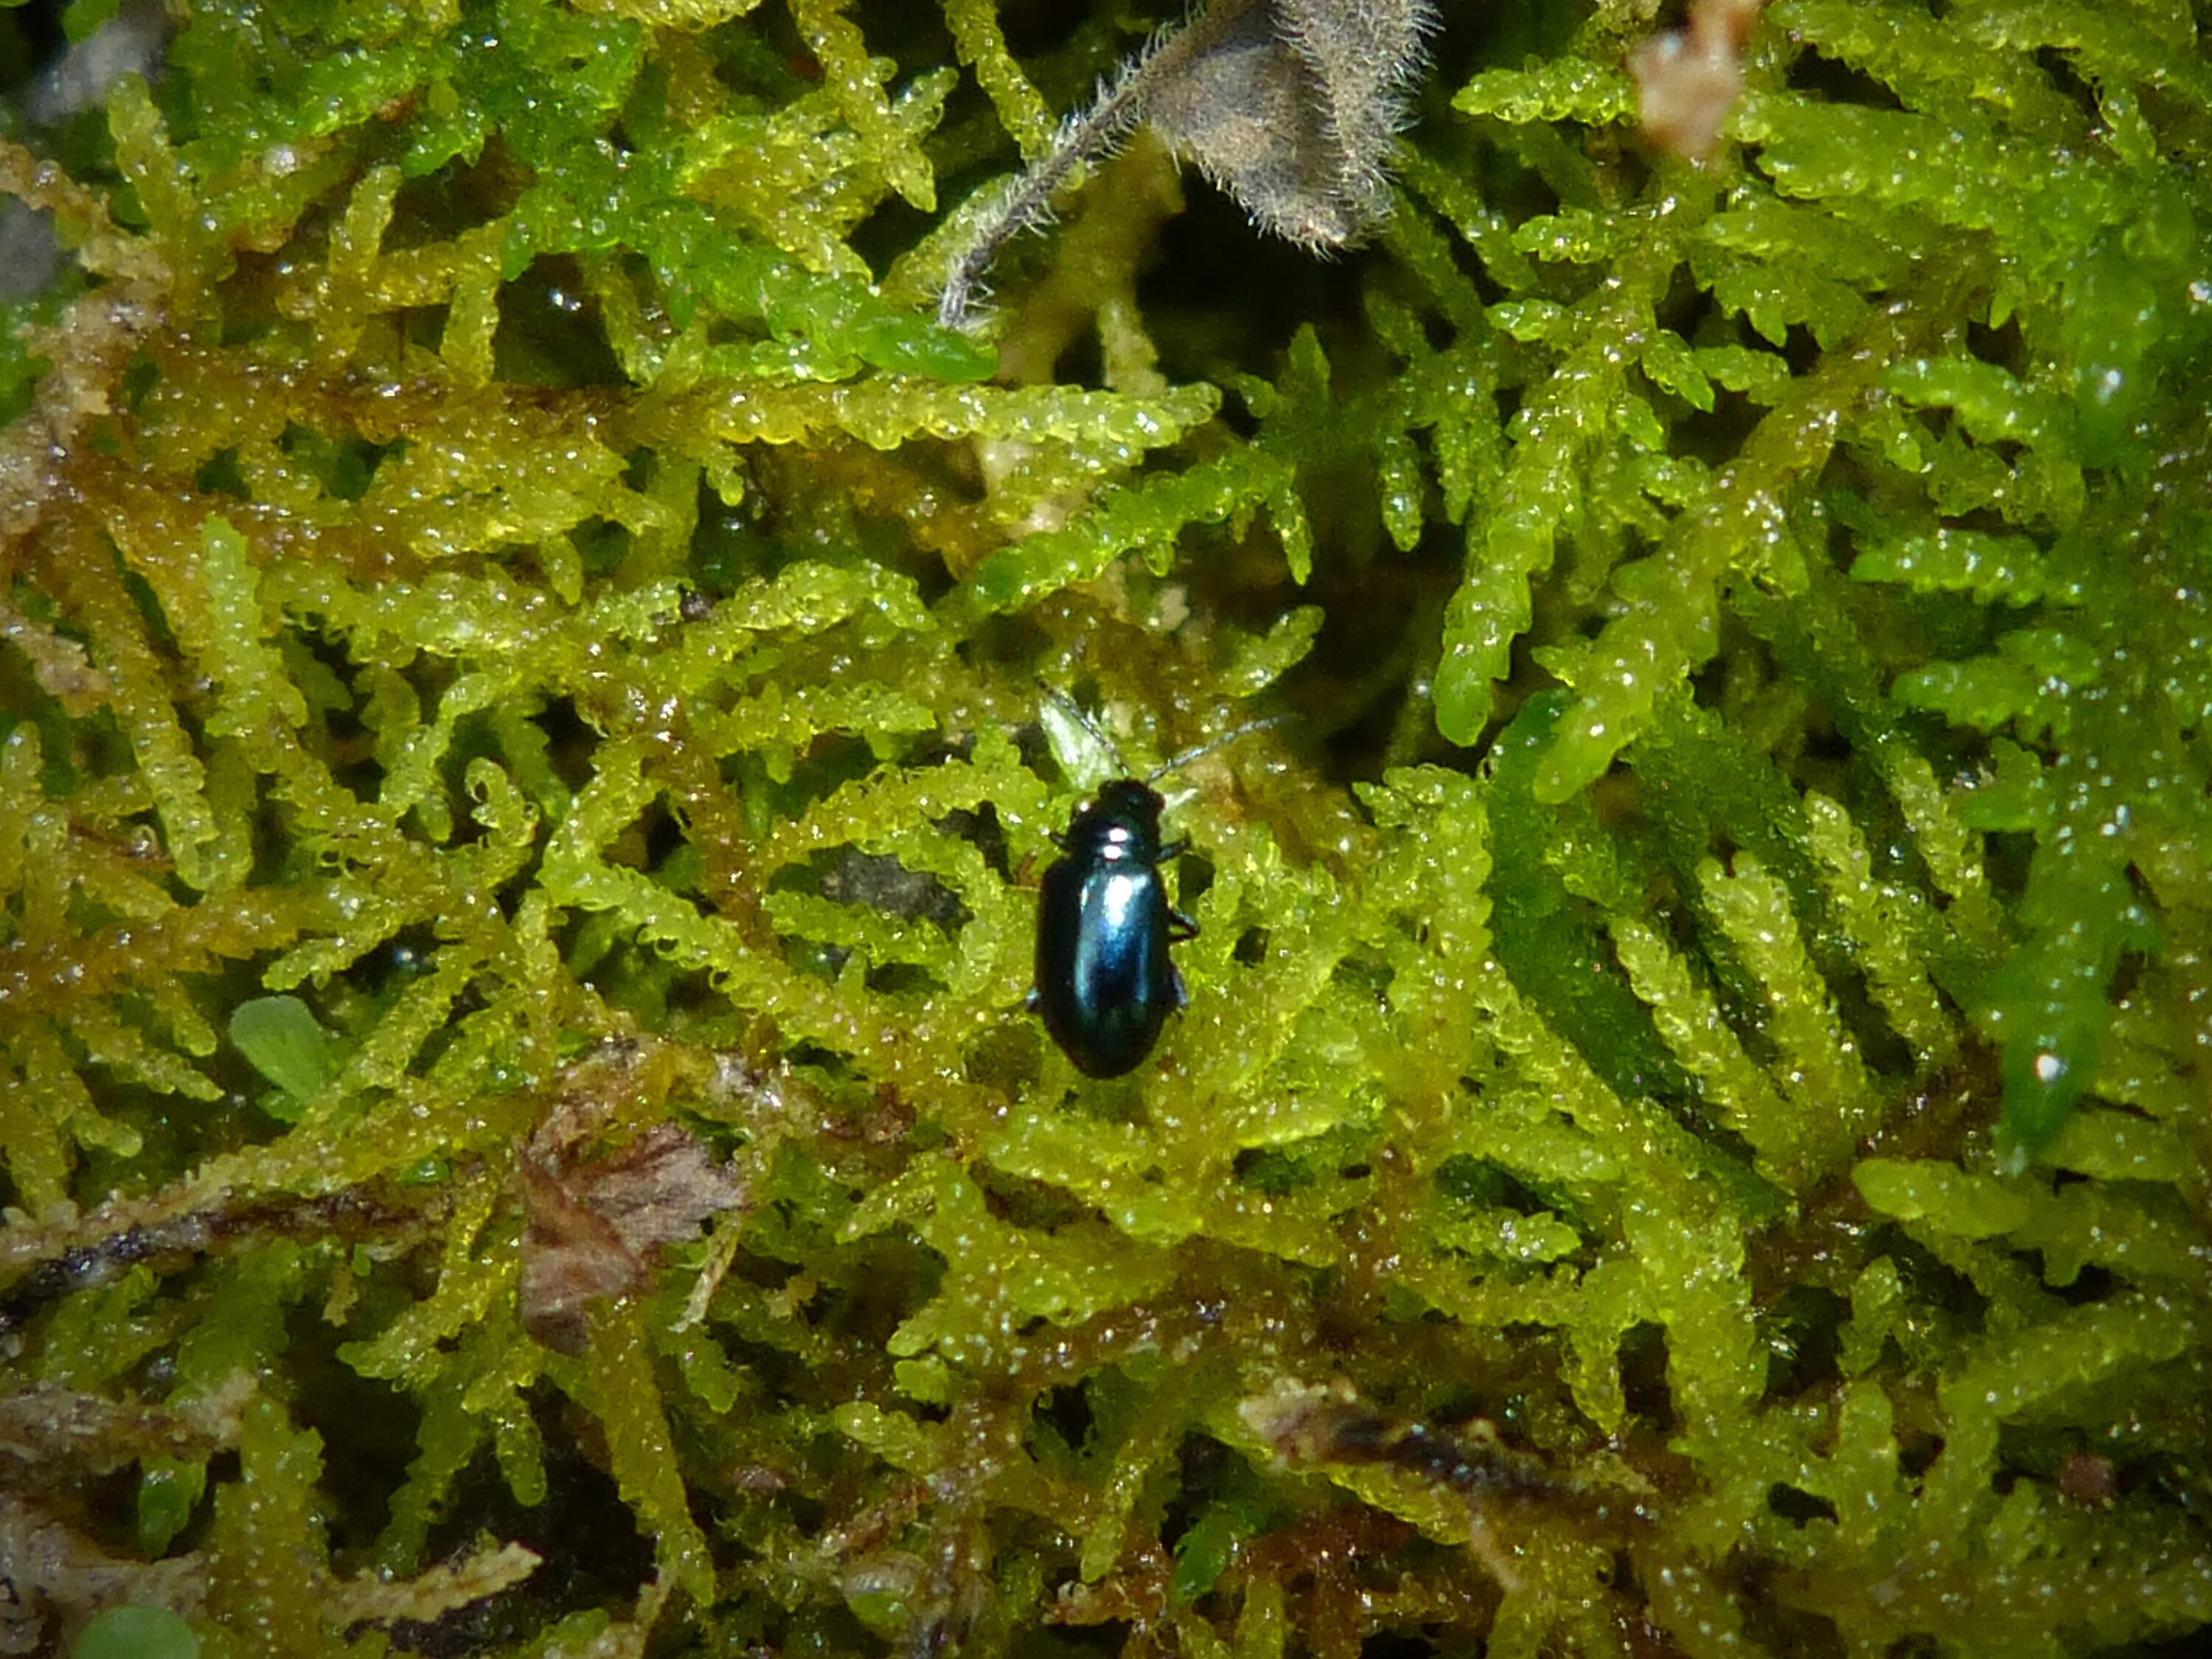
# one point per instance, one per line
(520, 628)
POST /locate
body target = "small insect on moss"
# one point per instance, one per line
(1104, 982)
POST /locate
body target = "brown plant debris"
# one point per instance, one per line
(41, 1427)
(53, 1579)
(436, 1591)
(1321, 1424)
(1688, 79)
(593, 1226)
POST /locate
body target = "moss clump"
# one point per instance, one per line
(519, 670)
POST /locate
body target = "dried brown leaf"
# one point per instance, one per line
(436, 1591)
(1325, 1424)
(1313, 1423)
(61, 667)
(41, 1428)
(1688, 80)
(659, 1188)
(592, 1226)
(59, 1578)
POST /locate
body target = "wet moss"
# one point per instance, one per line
(1689, 1130)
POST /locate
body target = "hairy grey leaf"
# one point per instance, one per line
(1292, 110)
(1288, 104)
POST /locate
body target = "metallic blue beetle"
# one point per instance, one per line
(1105, 983)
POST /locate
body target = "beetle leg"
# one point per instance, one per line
(1031, 1001)
(1174, 849)
(1181, 927)
(1177, 997)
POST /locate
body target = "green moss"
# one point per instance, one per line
(519, 629)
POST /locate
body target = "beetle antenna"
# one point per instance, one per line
(1221, 742)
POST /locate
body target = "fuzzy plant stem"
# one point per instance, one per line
(1117, 108)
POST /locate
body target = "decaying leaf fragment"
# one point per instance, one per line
(47, 1427)
(1688, 80)
(58, 1576)
(1327, 1423)
(445, 1588)
(1323, 1424)
(53, 1578)
(592, 1224)
(1287, 105)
